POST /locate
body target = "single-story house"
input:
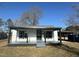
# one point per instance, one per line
(34, 35)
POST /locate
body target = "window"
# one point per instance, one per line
(48, 34)
(22, 34)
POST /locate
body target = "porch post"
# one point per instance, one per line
(9, 35)
(60, 36)
(45, 36)
(27, 38)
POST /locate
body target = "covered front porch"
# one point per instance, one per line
(48, 36)
(35, 36)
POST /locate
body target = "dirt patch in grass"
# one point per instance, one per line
(66, 49)
(3, 43)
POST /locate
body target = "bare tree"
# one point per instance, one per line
(1, 22)
(73, 20)
(31, 17)
(9, 22)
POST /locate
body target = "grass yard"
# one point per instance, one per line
(68, 49)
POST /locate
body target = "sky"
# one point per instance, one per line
(53, 13)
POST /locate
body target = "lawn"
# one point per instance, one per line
(67, 49)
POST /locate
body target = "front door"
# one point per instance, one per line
(40, 42)
(39, 34)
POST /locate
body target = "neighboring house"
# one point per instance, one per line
(74, 29)
(65, 34)
(75, 33)
(34, 35)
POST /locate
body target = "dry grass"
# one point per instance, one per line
(67, 49)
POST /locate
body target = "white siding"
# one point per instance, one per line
(53, 39)
(14, 35)
(32, 38)
(55, 36)
(43, 37)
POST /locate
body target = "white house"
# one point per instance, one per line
(34, 35)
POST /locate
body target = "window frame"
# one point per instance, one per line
(23, 35)
(46, 35)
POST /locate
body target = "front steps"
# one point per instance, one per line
(40, 44)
